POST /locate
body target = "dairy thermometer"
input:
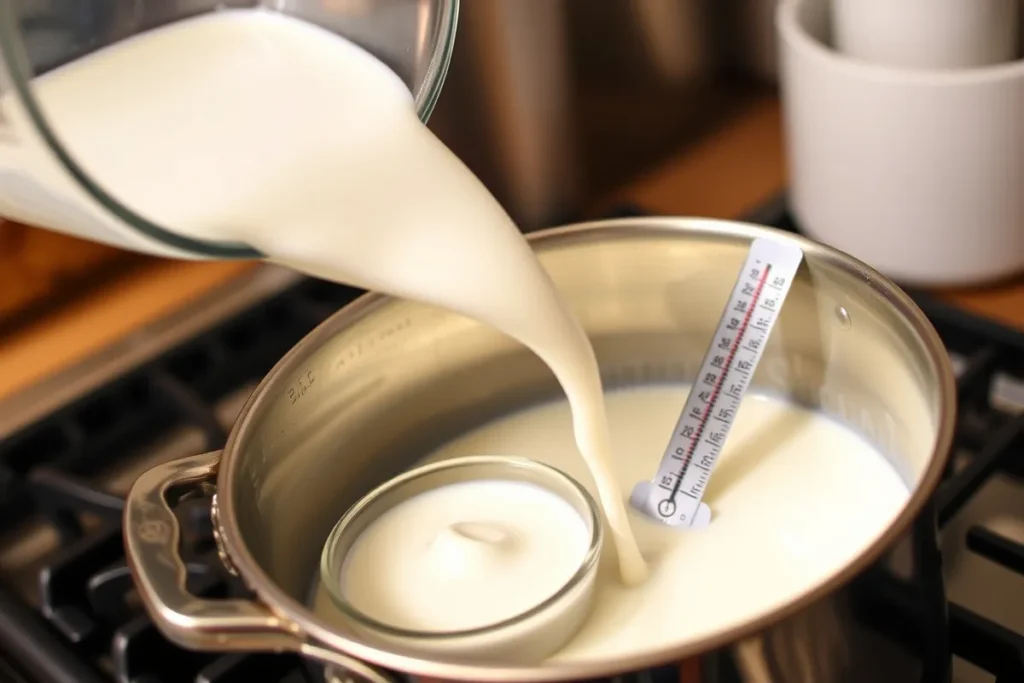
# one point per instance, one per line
(674, 495)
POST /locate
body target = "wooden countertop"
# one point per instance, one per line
(108, 314)
(728, 173)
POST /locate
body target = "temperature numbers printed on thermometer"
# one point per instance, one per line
(674, 495)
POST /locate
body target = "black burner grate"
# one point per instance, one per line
(89, 627)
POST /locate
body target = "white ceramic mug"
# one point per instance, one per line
(918, 173)
(931, 34)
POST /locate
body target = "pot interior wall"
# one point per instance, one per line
(369, 393)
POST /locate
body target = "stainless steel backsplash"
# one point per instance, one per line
(552, 102)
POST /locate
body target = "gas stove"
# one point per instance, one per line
(70, 448)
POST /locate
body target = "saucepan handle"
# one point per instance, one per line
(152, 536)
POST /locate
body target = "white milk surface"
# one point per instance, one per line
(795, 497)
(249, 126)
(465, 555)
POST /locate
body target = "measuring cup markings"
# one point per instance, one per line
(645, 373)
(305, 381)
(364, 348)
(802, 379)
(869, 418)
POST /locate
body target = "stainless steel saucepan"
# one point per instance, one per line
(384, 381)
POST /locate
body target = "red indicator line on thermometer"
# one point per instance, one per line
(673, 495)
(717, 388)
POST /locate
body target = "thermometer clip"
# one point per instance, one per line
(674, 495)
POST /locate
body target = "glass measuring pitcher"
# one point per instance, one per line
(46, 177)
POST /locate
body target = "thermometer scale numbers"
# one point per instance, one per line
(674, 495)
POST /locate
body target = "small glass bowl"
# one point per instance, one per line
(532, 635)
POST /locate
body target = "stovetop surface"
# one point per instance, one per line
(69, 612)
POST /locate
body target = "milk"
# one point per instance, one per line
(796, 496)
(250, 126)
(465, 556)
